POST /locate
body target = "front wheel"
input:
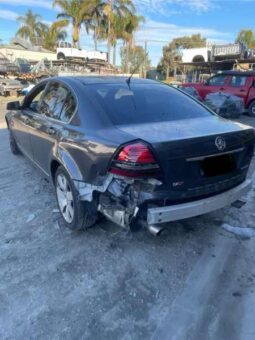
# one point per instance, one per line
(251, 109)
(76, 214)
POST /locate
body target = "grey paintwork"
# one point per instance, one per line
(86, 144)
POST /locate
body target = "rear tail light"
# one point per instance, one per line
(135, 160)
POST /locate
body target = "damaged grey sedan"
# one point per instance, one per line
(137, 151)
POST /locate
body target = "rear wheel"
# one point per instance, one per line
(251, 109)
(61, 56)
(13, 145)
(76, 214)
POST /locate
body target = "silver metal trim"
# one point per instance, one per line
(199, 158)
(196, 208)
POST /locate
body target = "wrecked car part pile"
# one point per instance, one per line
(225, 104)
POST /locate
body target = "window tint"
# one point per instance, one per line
(217, 80)
(68, 108)
(237, 81)
(145, 103)
(53, 100)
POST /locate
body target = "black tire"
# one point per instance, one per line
(13, 145)
(251, 109)
(85, 213)
(61, 56)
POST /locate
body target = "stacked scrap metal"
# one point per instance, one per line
(10, 87)
(225, 104)
(6, 66)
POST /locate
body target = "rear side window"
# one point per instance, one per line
(217, 80)
(58, 102)
(68, 108)
(145, 103)
(238, 81)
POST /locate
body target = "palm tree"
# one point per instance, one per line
(31, 27)
(55, 33)
(96, 20)
(74, 11)
(115, 10)
(130, 25)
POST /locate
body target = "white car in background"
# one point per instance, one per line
(66, 51)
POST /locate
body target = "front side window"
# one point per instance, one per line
(33, 100)
(217, 80)
(238, 81)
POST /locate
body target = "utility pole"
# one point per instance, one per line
(145, 58)
(109, 30)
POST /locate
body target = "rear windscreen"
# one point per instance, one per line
(145, 103)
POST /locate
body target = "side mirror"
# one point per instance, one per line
(13, 106)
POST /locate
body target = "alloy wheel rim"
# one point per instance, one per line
(65, 198)
(253, 110)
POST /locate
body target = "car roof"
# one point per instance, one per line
(90, 80)
(238, 73)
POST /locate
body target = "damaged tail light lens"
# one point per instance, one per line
(135, 160)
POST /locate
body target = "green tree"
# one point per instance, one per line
(125, 29)
(96, 20)
(134, 59)
(76, 12)
(246, 36)
(55, 33)
(32, 28)
(115, 11)
(171, 52)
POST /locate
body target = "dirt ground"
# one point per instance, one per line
(195, 281)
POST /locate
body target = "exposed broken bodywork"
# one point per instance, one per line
(119, 199)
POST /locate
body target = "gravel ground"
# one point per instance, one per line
(104, 283)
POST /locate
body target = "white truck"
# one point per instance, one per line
(191, 55)
(66, 51)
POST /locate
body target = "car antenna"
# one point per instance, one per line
(135, 69)
(131, 75)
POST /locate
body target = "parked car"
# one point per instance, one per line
(65, 50)
(238, 83)
(135, 150)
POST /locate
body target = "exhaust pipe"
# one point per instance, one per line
(155, 229)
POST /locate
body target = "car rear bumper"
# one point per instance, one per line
(196, 208)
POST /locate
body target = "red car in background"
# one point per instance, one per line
(238, 83)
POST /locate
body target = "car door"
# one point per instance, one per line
(50, 123)
(24, 120)
(214, 84)
(239, 86)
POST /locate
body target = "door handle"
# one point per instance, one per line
(222, 89)
(242, 90)
(51, 131)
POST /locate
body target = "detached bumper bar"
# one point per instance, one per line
(196, 208)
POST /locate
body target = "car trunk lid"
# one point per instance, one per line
(191, 154)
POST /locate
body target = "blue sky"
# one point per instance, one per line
(217, 20)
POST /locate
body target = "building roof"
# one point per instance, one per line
(21, 44)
